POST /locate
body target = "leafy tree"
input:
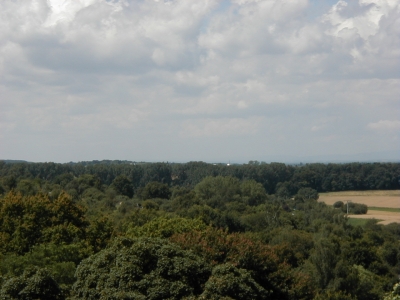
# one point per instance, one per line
(64, 179)
(346, 280)
(160, 172)
(165, 227)
(338, 204)
(305, 194)
(123, 186)
(34, 283)
(60, 260)
(360, 252)
(369, 286)
(22, 221)
(229, 281)
(390, 253)
(143, 268)
(294, 245)
(99, 233)
(155, 189)
(253, 193)
(334, 295)
(9, 182)
(284, 190)
(28, 187)
(79, 185)
(183, 199)
(216, 191)
(266, 217)
(28, 221)
(355, 208)
(140, 216)
(394, 294)
(324, 259)
(260, 260)
(212, 216)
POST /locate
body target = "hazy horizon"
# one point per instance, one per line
(389, 157)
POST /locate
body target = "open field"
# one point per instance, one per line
(364, 193)
(385, 205)
(384, 209)
(370, 198)
(387, 217)
(357, 222)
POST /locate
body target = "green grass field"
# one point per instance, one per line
(390, 193)
(384, 209)
(358, 222)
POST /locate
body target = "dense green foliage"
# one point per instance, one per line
(121, 230)
(32, 284)
(130, 176)
(143, 268)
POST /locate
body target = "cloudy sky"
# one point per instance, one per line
(211, 80)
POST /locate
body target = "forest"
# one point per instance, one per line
(136, 230)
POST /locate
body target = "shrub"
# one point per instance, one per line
(338, 204)
(34, 283)
(355, 208)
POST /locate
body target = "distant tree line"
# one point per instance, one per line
(274, 177)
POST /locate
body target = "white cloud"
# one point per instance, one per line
(64, 11)
(385, 125)
(211, 127)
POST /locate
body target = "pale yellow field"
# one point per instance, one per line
(370, 198)
(389, 199)
(365, 193)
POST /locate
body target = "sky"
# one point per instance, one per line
(205, 80)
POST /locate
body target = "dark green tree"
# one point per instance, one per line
(34, 283)
(155, 189)
(324, 258)
(230, 281)
(9, 182)
(123, 186)
(253, 193)
(144, 268)
(306, 194)
(216, 191)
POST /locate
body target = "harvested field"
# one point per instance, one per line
(390, 199)
(370, 198)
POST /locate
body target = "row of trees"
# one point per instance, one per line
(321, 177)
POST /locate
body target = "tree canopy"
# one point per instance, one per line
(128, 230)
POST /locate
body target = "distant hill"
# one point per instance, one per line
(14, 161)
(371, 157)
